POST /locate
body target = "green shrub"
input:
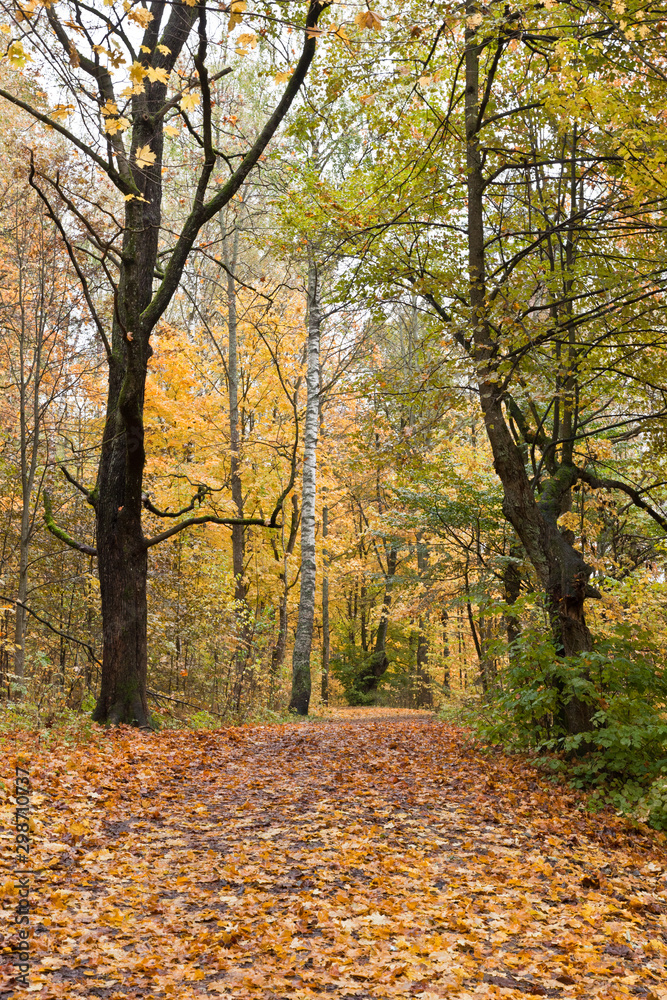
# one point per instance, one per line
(625, 751)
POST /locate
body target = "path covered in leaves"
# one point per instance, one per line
(361, 858)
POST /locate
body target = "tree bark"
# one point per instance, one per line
(512, 585)
(376, 664)
(326, 638)
(303, 640)
(238, 530)
(423, 689)
(278, 651)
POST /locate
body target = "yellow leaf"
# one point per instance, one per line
(140, 16)
(144, 157)
(110, 108)
(248, 38)
(17, 55)
(367, 99)
(190, 101)
(157, 74)
(61, 111)
(164, 49)
(172, 130)
(235, 10)
(282, 77)
(368, 19)
(114, 125)
(137, 72)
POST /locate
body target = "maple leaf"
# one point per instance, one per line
(236, 9)
(247, 38)
(115, 125)
(137, 73)
(189, 101)
(144, 157)
(140, 16)
(157, 74)
(368, 19)
(61, 111)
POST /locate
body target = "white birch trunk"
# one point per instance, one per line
(303, 640)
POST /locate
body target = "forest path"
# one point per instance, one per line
(365, 859)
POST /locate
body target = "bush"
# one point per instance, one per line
(623, 757)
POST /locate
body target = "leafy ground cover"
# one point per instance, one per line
(372, 855)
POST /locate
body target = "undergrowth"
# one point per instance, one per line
(621, 761)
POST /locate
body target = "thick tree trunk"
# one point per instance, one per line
(303, 640)
(121, 548)
(560, 568)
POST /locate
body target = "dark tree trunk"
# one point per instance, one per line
(446, 672)
(376, 664)
(121, 549)
(512, 586)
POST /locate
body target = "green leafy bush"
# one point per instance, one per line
(622, 759)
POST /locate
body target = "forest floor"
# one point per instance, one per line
(373, 855)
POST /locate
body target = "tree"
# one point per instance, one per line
(121, 136)
(544, 212)
(303, 640)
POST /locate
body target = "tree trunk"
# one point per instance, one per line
(560, 568)
(326, 639)
(121, 549)
(33, 327)
(303, 640)
(512, 585)
(278, 651)
(238, 530)
(122, 554)
(446, 672)
(423, 689)
(376, 664)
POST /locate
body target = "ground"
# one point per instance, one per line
(373, 855)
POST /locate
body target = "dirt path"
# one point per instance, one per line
(374, 858)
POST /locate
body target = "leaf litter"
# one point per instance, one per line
(372, 856)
